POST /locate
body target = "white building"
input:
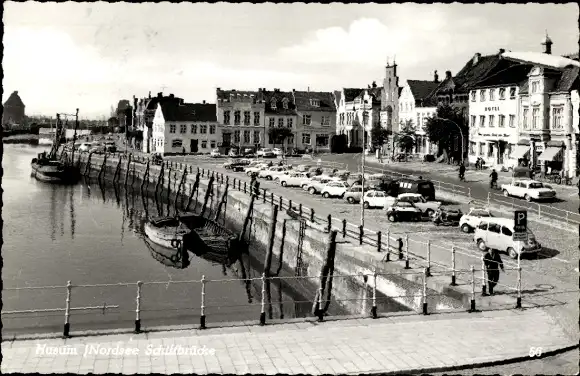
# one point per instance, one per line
(352, 103)
(185, 128)
(416, 107)
(493, 118)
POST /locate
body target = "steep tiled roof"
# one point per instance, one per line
(14, 100)
(326, 99)
(234, 94)
(400, 91)
(567, 80)
(351, 93)
(152, 104)
(279, 97)
(509, 76)
(376, 93)
(337, 96)
(421, 89)
(189, 112)
(524, 87)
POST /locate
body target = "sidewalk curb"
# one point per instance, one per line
(492, 363)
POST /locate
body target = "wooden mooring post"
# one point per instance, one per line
(127, 172)
(207, 195)
(326, 272)
(145, 176)
(223, 202)
(255, 188)
(193, 190)
(117, 174)
(179, 187)
(103, 168)
(160, 178)
(88, 165)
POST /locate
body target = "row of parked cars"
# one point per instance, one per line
(403, 199)
(249, 153)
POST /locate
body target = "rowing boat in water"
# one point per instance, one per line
(165, 230)
(53, 171)
(175, 258)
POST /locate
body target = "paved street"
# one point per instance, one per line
(398, 343)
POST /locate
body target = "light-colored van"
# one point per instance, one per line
(497, 233)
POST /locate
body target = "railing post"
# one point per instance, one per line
(539, 211)
(300, 210)
(388, 257)
(272, 198)
(263, 310)
(428, 257)
(379, 241)
(264, 195)
(312, 213)
(329, 218)
(290, 205)
(320, 312)
(483, 279)
(138, 308)
(468, 192)
(361, 232)
(344, 228)
(453, 266)
(67, 310)
(472, 308)
(407, 251)
(425, 291)
(374, 308)
(519, 298)
(281, 203)
(202, 316)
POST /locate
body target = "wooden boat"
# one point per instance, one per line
(174, 258)
(165, 230)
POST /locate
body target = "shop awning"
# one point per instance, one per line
(550, 153)
(520, 152)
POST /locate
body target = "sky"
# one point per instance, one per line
(62, 56)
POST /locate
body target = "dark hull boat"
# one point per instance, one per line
(52, 171)
(175, 258)
(165, 231)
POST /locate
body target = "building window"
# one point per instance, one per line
(246, 117)
(236, 117)
(558, 117)
(322, 140)
(182, 128)
(227, 117)
(502, 94)
(306, 138)
(212, 129)
(290, 140)
(212, 144)
(315, 103)
(204, 144)
(481, 121)
(326, 121)
(236, 137)
(489, 150)
(256, 137)
(280, 122)
(246, 137)
(501, 121)
(512, 92)
(273, 104)
(203, 129)
(272, 122)
(285, 103)
(491, 121)
(473, 120)
(512, 121)
(536, 117)
(525, 115)
(535, 86)
(306, 119)
(176, 143)
(172, 128)
(481, 146)
(289, 122)
(194, 128)
(482, 96)
(256, 118)
(491, 94)
(471, 148)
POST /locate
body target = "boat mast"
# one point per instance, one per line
(75, 137)
(56, 142)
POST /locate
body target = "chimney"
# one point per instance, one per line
(149, 94)
(447, 75)
(501, 51)
(435, 77)
(476, 58)
(204, 102)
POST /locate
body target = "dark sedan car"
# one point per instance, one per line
(403, 211)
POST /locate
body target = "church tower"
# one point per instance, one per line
(390, 99)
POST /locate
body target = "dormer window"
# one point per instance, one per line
(273, 104)
(285, 103)
(315, 102)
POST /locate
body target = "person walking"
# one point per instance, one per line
(461, 172)
(493, 263)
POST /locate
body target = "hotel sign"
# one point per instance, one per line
(494, 134)
(493, 108)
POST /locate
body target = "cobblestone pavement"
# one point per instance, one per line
(401, 343)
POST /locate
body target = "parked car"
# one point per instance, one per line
(233, 153)
(228, 165)
(334, 189)
(401, 211)
(277, 152)
(408, 185)
(377, 199)
(248, 152)
(215, 153)
(426, 207)
(303, 168)
(342, 174)
(157, 158)
(353, 194)
(271, 172)
(293, 179)
(97, 148)
(497, 233)
(314, 171)
(265, 153)
(256, 168)
(530, 190)
(470, 221)
(315, 185)
(110, 147)
(240, 165)
(85, 146)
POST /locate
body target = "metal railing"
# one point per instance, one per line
(369, 280)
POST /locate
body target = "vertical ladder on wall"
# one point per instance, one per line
(301, 234)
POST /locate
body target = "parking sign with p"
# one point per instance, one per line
(520, 225)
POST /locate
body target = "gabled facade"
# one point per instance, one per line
(145, 113)
(279, 112)
(13, 114)
(351, 117)
(389, 116)
(241, 117)
(185, 128)
(316, 119)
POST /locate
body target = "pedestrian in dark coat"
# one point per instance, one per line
(493, 263)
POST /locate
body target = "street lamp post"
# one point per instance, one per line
(362, 205)
(460, 132)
